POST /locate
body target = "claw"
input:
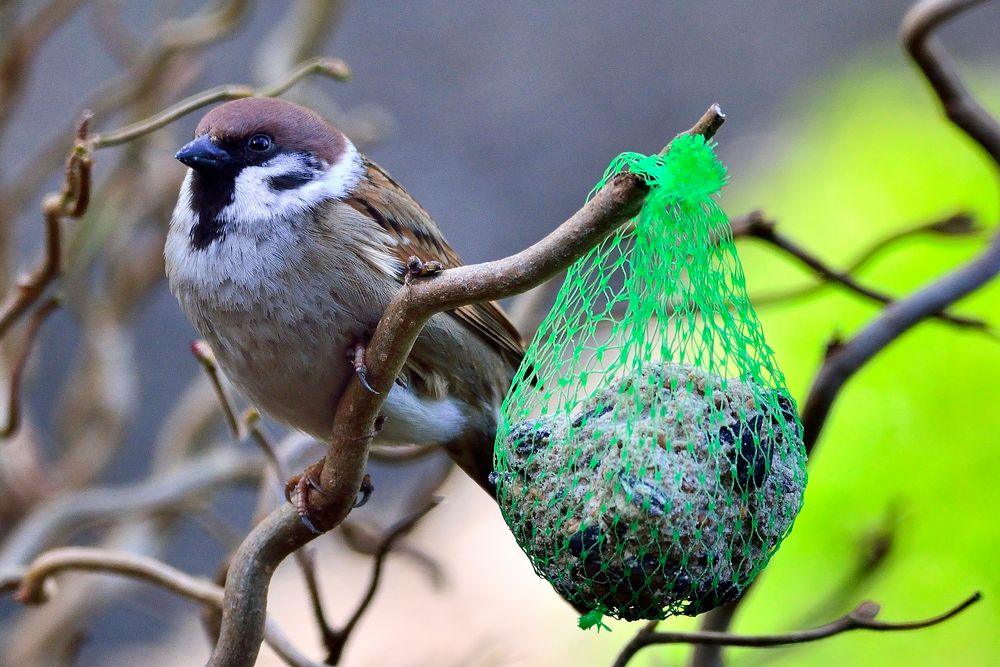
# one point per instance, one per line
(297, 491)
(417, 268)
(366, 491)
(357, 357)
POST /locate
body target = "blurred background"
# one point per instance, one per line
(499, 117)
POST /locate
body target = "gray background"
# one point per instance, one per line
(503, 116)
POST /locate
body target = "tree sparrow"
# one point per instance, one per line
(284, 248)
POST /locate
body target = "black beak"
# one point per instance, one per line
(203, 154)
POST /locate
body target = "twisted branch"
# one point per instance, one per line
(30, 585)
(756, 225)
(862, 618)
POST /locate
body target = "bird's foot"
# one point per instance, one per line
(366, 491)
(417, 268)
(356, 355)
(298, 487)
(297, 490)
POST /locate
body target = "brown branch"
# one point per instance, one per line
(303, 557)
(756, 225)
(957, 224)
(862, 618)
(70, 203)
(897, 318)
(203, 353)
(939, 69)
(20, 362)
(30, 587)
(343, 468)
(332, 67)
(57, 518)
(337, 640)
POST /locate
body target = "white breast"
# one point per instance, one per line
(281, 317)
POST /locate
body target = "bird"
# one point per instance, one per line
(283, 250)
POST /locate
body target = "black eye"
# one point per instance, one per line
(260, 143)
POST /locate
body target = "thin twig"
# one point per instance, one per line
(334, 68)
(71, 202)
(339, 639)
(203, 353)
(20, 362)
(957, 224)
(862, 618)
(57, 518)
(304, 558)
(30, 588)
(757, 226)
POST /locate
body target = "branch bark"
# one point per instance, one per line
(897, 318)
(30, 585)
(862, 618)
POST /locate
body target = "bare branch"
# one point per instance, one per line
(200, 475)
(332, 67)
(335, 644)
(303, 557)
(17, 370)
(31, 585)
(203, 353)
(862, 618)
(707, 125)
(964, 110)
(71, 202)
(956, 225)
(755, 225)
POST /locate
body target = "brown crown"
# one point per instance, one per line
(291, 126)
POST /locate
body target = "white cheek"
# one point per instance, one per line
(255, 199)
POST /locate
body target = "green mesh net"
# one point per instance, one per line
(649, 458)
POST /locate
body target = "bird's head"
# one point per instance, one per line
(258, 159)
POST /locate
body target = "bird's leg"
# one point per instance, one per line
(356, 355)
(417, 268)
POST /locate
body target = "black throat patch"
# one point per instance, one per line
(210, 193)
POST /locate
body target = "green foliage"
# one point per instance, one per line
(867, 154)
(650, 459)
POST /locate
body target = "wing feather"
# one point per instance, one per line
(412, 232)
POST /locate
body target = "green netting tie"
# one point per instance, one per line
(689, 170)
(649, 458)
(593, 618)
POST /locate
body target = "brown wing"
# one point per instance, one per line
(415, 233)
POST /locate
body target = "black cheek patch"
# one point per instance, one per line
(290, 181)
